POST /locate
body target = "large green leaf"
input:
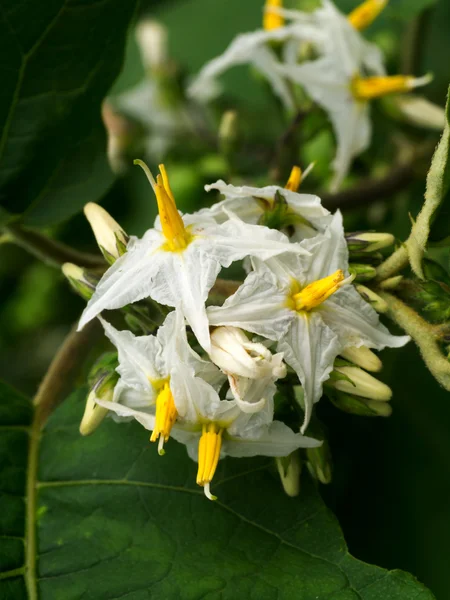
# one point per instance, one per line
(113, 520)
(58, 59)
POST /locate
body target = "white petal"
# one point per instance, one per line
(145, 419)
(129, 279)
(278, 440)
(257, 306)
(356, 322)
(137, 357)
(310, 348)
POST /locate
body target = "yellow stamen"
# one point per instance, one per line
(272, 20)
(317, 292)
(364, 14)
(171, 222)
(367, 88)
(209, 447)
(295, 179)
(166, 414)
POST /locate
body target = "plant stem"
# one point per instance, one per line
(424, 334)
(51, 251)
(52, 390)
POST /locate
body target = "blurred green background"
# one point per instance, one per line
(391, 490)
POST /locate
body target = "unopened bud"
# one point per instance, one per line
(103, 389)
(372, 298)
(367, 241)
(417, 111)
(82, 281)
(363, 357)
(361, 407)
(122, 135)
(362, 272)
(391, 283)
(354, 380)
(233, 352)
(111, 238)
(228, 132)
(319, 462)
(289, 469)
(151, 38)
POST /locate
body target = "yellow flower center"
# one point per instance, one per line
(177, 236)
(272, 20)
(166, 415)
(209, 447)
(366, 13)
(295, 179)
(317, 292)
(367, 88)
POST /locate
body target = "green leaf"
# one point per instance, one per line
(438, 183)
(57, 61)
(113, 519)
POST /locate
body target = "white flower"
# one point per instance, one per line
(212, 428)
(300, 302)
(251, 368)
(303, 213)
(348, 73)
(146, 364)
(178, 265)
(254, 48)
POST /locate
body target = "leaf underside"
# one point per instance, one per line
(115, 520)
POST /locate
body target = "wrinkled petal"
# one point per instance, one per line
(145, 419)
(357, 323)
(257, 306)
(278, 440)
(137, 357)
(310, 348)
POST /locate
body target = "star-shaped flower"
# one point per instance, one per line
(304, 303)
(212, 428)
(178, 264)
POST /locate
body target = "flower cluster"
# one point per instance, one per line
(323, 52)
(209, 375)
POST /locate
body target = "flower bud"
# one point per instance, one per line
(391, 283)
(357, 382)
(363, 357)
(232, 351)
(151, 38)
(360, 406)
(82, 281)
(289, 469)
(368, 241)
(111, 238)
(372, 298)
(123, 136)
(103, 389)
(417, 111)
(228, 132)
(362, 272)
(319, 462)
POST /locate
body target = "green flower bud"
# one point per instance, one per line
(81, 280)
(357, 382)
(368, 241)
(228, 132)
(372, 298)
(362, 357)
(391, 283)
(319, 462)
(102, 379)
(359, 406)
(289, 469)
(111, 238)
(362, 272)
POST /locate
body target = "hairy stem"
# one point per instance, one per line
(59, 378)
(51, 251)
(424, 334)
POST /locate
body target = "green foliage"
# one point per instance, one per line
(59, 59)
(113, 518)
